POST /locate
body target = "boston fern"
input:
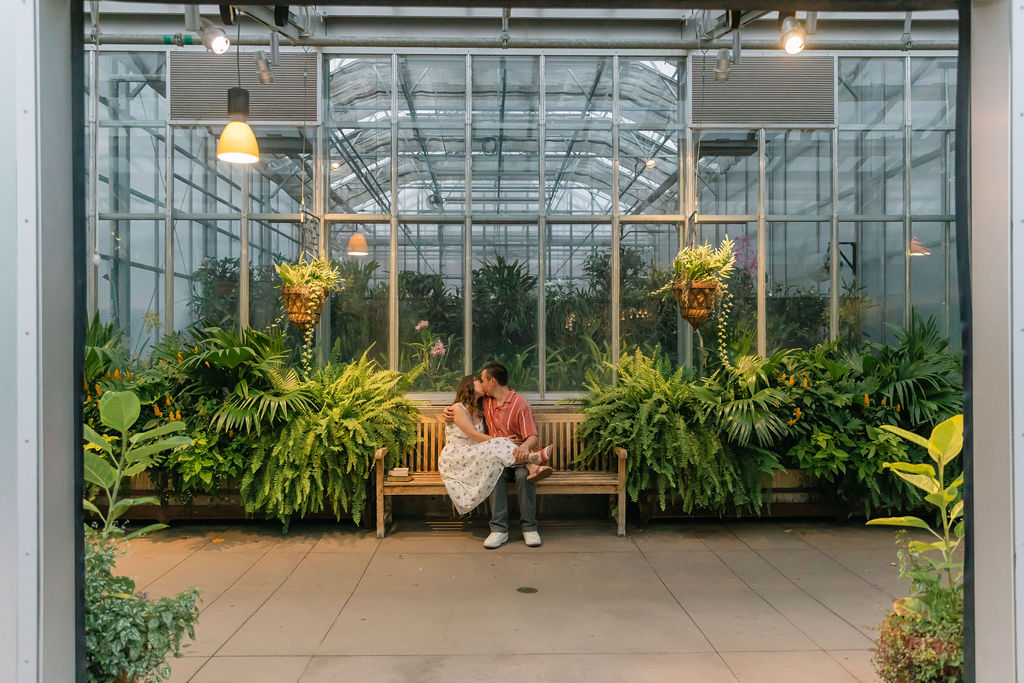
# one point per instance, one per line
(324, 456)
(654, 414)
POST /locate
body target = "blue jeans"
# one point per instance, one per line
(526, 492)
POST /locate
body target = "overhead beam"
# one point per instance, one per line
(785, 5)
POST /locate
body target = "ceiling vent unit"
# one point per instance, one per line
(781, 90)
(200, 81)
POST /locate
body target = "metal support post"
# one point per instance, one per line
(393, 239)
(467, 228)
(542, 229)
(168, 229)
(243, 252)
(833, 319)
(762, 251)
(616, 260)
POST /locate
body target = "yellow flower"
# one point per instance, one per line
(167, 400)
(156, 410)
(117, 374)
(207, 363)
(867, 401)
(177, 415)
(791, 422)
(99, 392)
(898, 406)
(798, 413)
(792, 380)
(805, 382)
(883, 401)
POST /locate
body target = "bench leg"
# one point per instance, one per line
(622, 512)
(380, 499)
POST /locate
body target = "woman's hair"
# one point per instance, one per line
(465, 394)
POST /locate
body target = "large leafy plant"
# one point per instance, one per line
(324, 456)
(673, 450)
(107, 464)
(923, 638)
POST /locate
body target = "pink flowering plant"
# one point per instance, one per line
(431, 351)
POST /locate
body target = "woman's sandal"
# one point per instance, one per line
(538, 472)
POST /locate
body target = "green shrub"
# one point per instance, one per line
(324, 456)
(126, 633)
(653, 413)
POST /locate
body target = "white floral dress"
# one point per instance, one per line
(471, 469)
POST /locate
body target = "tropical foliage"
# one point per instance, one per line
(922, 640)
(324, 456)
(674, 449)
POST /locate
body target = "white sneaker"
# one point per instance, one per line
(532, 538)
(496, 540)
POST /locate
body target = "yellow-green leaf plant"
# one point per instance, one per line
(108, 464)
(930, 562)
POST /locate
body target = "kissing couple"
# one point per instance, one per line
(491, 440)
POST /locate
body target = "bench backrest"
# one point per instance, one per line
(555, 428)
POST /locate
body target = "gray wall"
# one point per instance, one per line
(37, 411)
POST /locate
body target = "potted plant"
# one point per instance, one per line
(922, 638)
(128, 636)
(699, 273)
(304, 287)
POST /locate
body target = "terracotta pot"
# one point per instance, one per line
(304, 306)
(696, 299)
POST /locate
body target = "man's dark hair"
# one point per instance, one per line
(498, 372)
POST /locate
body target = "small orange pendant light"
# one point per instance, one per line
(357, 245)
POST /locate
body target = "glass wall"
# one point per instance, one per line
(527, 186)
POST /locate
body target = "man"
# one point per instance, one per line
(508, 414)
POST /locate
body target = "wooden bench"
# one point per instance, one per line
(555, 428)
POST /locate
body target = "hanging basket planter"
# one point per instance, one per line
(304, 305)
(696, 299)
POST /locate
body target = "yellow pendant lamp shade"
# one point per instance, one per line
(237, 144)
(357, 245)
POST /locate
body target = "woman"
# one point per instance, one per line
(471, 462)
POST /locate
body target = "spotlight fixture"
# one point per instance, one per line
(435, 201)
(263, 67)
(917, 247)
(793, 35)
(237, 144)
(651, 162)
(213, 37)
(722, 66)
(357, 245)
(335, 165)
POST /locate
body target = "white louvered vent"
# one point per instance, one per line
(200, 82)
(766, 90)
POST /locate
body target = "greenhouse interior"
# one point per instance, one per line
(691, 292)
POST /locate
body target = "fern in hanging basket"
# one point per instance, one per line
(304, 288)
(699, 279)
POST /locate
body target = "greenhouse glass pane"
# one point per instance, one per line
(932, 177)
(577, 303)
(933, 92)
(799, 279)
(505, 289)
(359, 90)
(273, 243)
(284, 174)
(130, 164)
(648, 321)
(132, 86)
(206, 272)
(359, 311)
(871, 164)
(358, 170)
(871, 91)
(651, 92)
(871, 277)
(506, 89)
(204, 186)
(933, 281)
(431, 169)
(798, 172)
(578, 169)
(130, 281)
(649, 171)
(727, 172)
(430, 288)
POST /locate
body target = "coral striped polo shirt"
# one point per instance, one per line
(513, 417)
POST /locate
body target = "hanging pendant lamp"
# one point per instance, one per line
(237, 144)
(357, 245)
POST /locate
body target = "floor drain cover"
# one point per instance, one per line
(526, 589)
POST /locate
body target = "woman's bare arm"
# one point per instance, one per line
(465, 423)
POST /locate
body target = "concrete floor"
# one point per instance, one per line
(677, 601)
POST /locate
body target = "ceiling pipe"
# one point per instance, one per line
(553, 43)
